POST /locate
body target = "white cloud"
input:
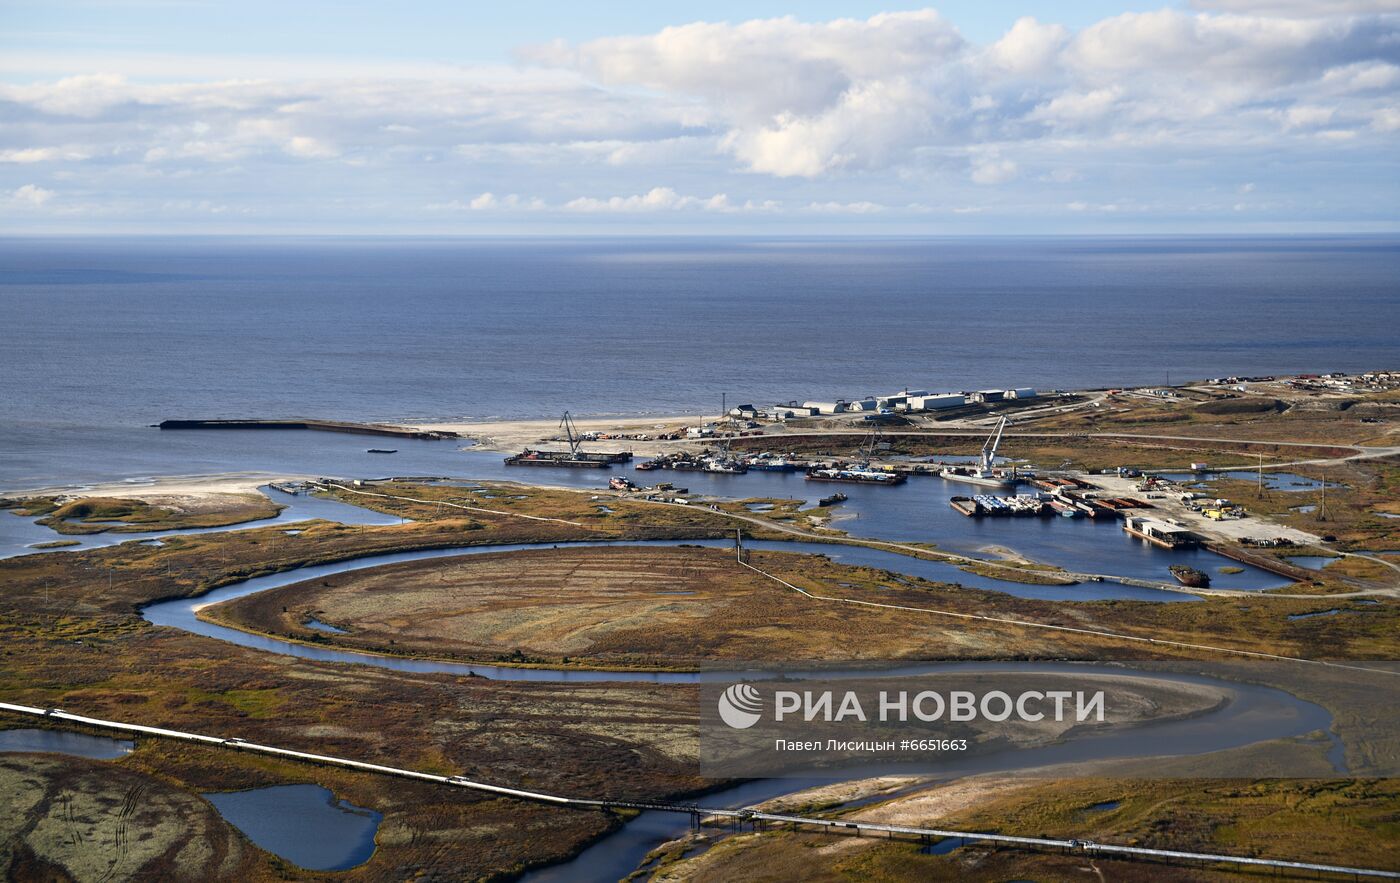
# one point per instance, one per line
(654, 200)
(306, 147)
(1300, 8)
(991, 170)
(1029, 47)
(30, 196)
(1077, 107)
(1308, 116)
(26, 155)
(1155, 105)
(1106, 207)
(845, 208)
(1387, 119)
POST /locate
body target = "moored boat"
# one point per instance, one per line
(1190, 576)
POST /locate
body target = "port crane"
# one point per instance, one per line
(571, 432)
(989, 450)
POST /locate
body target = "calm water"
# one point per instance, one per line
(914, 511)
(26, 741)
(130, 331)
(19, 535)
(304, 824)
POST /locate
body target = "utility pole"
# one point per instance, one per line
(1322, 502)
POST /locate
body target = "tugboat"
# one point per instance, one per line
(832, 500)
(1190, 576)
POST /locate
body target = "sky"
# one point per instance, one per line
(536, 117)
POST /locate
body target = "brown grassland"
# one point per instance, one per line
(71, 636)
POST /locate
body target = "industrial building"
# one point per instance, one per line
(1160, 533)
(937, 402)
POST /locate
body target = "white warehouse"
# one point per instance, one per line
(936, 402)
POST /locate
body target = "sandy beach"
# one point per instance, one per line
(168, 487)
(514, 435)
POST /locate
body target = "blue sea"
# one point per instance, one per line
(102, 337)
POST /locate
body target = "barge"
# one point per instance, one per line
(1190, 576)
(986, 478)
(854, 475)
(574, 458)
(766, 463)
(989, 504)
(568, 459)
(984, 473)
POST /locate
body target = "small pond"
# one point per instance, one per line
(1311, 562)
(30, 741)
(303, 824)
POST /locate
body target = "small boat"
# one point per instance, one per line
(832, 500)
(382, 451)
(618, 483)
(1190, 576)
